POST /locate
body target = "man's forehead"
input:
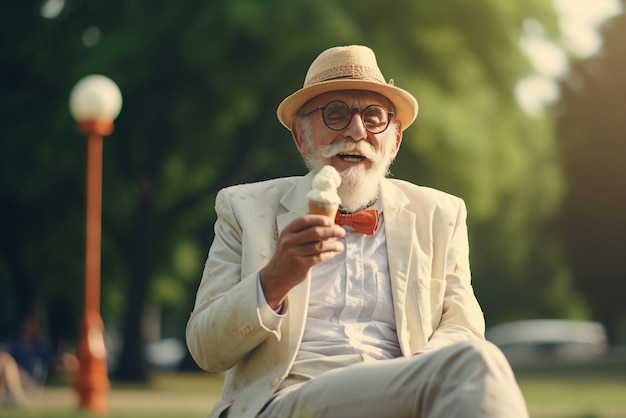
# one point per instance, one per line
(350, 97)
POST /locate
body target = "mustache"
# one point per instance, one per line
(345, 146)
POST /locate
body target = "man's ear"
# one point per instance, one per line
(398, 141)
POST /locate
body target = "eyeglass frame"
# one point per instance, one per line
(390, 115)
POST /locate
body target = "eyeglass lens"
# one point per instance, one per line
(337, 116)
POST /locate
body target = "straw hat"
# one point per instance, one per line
(351, 67)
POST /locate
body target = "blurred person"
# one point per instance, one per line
(310, 318)
(25, 363)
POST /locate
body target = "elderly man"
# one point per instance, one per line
(313, 319)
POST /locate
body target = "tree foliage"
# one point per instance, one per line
(201, 82)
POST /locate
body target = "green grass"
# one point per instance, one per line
(169, 395)
(580, 391)
(586, 391)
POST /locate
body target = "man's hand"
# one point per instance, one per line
(305, 242)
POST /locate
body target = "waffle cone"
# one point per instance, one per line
(318, 208)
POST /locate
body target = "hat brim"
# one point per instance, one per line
(405, 104)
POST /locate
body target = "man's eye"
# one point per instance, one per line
(373, 119)
(335, 117)
(375, 116)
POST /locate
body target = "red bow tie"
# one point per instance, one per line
(365, 221)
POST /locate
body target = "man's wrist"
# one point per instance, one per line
(269, 316)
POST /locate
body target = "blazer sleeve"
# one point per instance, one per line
(461, 315)
(225, 324)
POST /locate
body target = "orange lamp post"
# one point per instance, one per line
(95, 101)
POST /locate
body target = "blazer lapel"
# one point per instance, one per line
(405, 260)
(294, 202)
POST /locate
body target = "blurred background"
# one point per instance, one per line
(522, 114)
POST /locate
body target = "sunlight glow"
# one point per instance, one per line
(533, 93)
(580, 20)
(51, 9)
(580, 23)
(547, 57)
(91, 36)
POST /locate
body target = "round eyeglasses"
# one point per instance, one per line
(337, 115)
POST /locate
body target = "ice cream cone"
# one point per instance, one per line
(323, 198)
(320, 208)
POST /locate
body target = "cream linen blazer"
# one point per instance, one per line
(427, 246)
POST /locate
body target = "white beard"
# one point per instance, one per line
(359, 187)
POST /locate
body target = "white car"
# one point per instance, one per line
(549, 340)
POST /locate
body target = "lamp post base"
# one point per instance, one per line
(92, 381)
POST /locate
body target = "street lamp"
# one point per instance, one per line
(95, 101)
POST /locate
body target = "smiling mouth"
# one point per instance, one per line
(351, 158)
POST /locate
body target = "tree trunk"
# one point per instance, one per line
(133, 365)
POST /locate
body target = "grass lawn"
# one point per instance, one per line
(588, 391)
(583, 391)
(170, 395)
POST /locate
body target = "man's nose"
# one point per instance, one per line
(356, 128)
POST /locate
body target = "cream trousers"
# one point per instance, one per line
(464, 380)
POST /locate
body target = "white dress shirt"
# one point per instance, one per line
(350, 315)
